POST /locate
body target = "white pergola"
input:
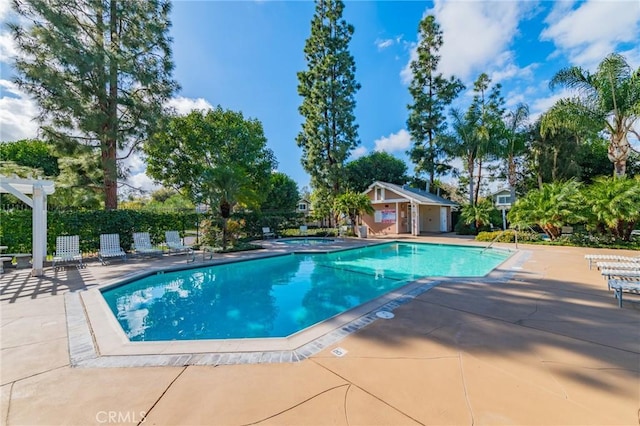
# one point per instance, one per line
(38, 189)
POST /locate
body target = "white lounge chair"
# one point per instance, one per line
(610, 257)
(266, 233)
(303, 230)
(175, 244)
(142, 244)
(622, 286)
(617, 265)
(624, 274)
(67, 250)
(110, 247)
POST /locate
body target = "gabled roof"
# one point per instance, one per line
(413, 194)
(500, 191)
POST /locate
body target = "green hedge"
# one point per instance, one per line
(16, 227)
(508, 236)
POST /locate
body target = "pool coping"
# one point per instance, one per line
(97, 340)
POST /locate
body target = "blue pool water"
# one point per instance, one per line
(278, 296)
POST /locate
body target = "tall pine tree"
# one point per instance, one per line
(100, 71)
(431, 94)
(328, 86)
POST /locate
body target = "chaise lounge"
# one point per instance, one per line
(266, 233)
(110, 247)
(67, 250)
(610, 257)
(175, 244)
(142, 245)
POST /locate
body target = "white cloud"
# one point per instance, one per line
(633, 57)
(359, 152)
(184, 105)
(477, 35)
(8, 49)
(143, 182)
(395, 142)
(508, 69)
(17, 113)
(594, 29)
(5, 9)
(383, 43)
(406, 74)
(542, 105)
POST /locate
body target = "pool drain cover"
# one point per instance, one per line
(384, 314)
(339, 352)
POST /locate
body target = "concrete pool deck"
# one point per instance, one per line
(547, 346)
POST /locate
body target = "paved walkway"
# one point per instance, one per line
(550, 346)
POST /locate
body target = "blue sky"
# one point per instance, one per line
(244, 56)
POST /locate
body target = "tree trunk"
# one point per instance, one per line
(618, 153)
(224, 233)
(470, 164)
(477, 195)
(109, 166)
(225, 212)
(512, 178)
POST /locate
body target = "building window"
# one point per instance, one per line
(504, 199)
(379, 194)
(302, 206)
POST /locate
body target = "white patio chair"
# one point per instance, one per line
(610, 257)
(67, 250)
(175, 244)
(266, 233)
(622, 286)
(303, 230)
(142, 244)
(621, 274)
(110, 247)
(618, 265)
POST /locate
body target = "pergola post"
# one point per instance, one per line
(39, 189)
(39, 230)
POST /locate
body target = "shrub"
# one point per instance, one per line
(16, 226)
(508, 236)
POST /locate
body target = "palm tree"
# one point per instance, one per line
(614, 205)
(608, 99)
(514, 143)
(554, 205)
(464, 143)
(477, 214)
(226, 187)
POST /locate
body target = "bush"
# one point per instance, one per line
(462, 228)
(508, 236)
(16, 227)
(277, 221)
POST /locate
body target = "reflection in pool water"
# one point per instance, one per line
(281, 295)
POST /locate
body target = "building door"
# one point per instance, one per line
(444, 225)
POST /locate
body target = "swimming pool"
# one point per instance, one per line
(279, 296)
